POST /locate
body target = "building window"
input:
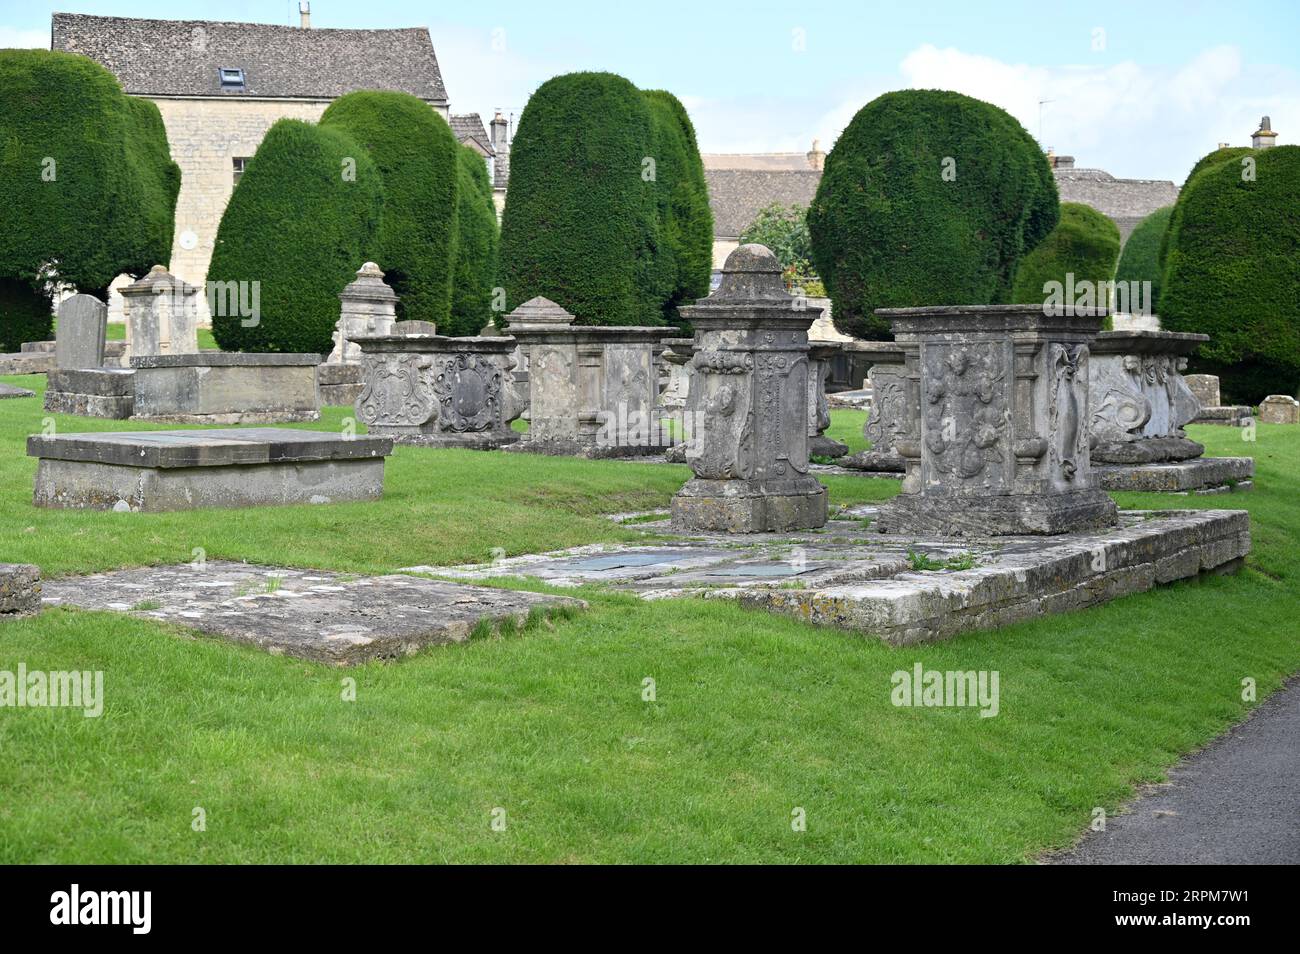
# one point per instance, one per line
(240, 162)
(231, 78)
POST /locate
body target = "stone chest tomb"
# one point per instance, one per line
(1001, 445)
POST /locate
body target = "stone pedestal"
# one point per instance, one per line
(368, 307)
(1279, 409)
(162, 315)
(749, 405)
(820, 356)
(593, 391)
(1140, 403)
(435, 391)
(1001, 445)
(221, 387)
(890, 411)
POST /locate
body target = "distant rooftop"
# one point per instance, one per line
(468, 127)
(186, 57)
(736, 196)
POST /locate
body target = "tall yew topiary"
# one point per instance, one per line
(303, 219)
(580, 223)
(684, 217)
(1084, 244)
(477, 240)
(415, 152)
(88, 185)
(1140, 260)
(928, 198)
(1232, 271)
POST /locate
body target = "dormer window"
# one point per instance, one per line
(231, 78)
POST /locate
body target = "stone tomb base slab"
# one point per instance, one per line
(749, 506)
(9, 391)
(93, 392)
(850, 577)
(1200, 475)
(185, 470)
(311, 614)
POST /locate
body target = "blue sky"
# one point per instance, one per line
(1139, 89)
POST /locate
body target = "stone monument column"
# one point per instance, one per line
(368, 308)
(749, 406)
(820, 355)
(162, 315)
(1001, 444)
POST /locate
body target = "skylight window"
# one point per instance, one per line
(231, 78)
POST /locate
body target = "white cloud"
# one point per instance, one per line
(1133, 121)
(16, 39)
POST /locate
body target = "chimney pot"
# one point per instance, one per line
(304, 14)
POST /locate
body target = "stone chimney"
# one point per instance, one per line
(816, 158)
(304, 14)
(1264, 137)
(500, 134)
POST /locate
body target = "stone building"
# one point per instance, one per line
(220, 86)
(1126, 202)
(742, 184)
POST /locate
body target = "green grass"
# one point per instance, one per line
(754, 715)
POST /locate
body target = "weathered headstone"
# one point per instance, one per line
(162, 315)
(749, 406)
(1279, 409)
(1205, 387)
(1001, 445)
(79, 335)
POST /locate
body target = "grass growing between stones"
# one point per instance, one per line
(753, 716)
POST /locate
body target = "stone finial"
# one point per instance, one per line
(539, 312)
(158, 277)
(750, 274)
(1264, 137)
(369, 284)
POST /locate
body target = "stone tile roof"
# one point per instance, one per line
(469, 126)
(771, 161)
(182, 57)
(737, 195)
(1125, 201)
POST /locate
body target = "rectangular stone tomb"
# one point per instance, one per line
(907, 588)
(340, 384)
(91, 392)
(184, 470)
(436, 391)
(218, 387)
(310, 614)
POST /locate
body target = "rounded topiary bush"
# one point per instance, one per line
(303, 219)
(88, 183)
(415, 152)
(1232, 271)
(24, 314)
(1084, 244)
(580, 223)
(684, 217)
(476, 247)
(927, 198)
(1140, 260)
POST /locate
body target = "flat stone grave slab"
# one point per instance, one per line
(900, 589)
(9, 391)
(1200, 475)
(184, 470)
(310, 614)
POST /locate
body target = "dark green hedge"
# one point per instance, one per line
(24, 314)
(110, 204)
(1084, 243)
(888, 230)
(1232, 270)
(415, 152)
(1140, 259)
(684, 217)
(476, 247)
(296, 224)
(580, 223)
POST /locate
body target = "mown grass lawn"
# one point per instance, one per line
(754, 716)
